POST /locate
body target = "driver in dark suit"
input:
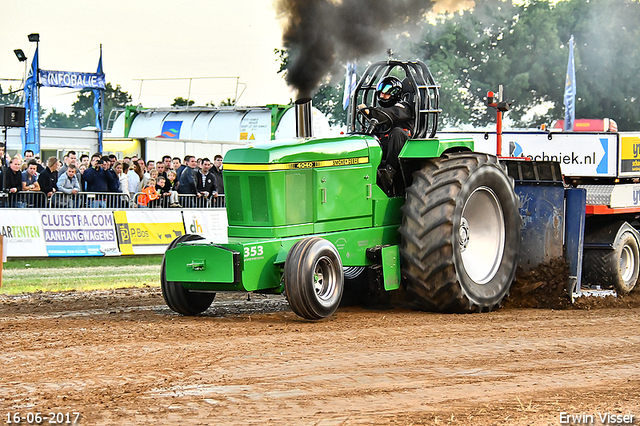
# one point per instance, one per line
(393, 114)
(396, 121)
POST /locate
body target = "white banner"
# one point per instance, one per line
(79, 233)
(23, 235)
(211, 224)
(579, 154)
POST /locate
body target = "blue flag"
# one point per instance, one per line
(570, 92)
(31, 132)
(98, 95)
(350, 82)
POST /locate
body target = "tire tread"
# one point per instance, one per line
(426, 233)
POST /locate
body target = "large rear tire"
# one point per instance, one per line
(178, 298)
(617, 268)
(460, 234)
(313, 278)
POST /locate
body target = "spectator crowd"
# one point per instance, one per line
(107, 181)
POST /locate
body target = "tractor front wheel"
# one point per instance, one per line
(313, 278)
(178, 298)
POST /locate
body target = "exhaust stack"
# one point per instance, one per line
(303, 118)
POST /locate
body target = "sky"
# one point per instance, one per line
(150, 39)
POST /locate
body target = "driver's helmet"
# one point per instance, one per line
(392, 86)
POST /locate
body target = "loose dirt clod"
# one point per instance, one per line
(543, 287)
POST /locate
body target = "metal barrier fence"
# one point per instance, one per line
(90, 200)
(24, 199)
(180, 200)
(104, 200)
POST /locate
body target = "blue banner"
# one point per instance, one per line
(98, 95)
(570, 92)
(31, 132)
(75, 80)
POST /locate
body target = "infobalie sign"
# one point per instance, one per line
(75, 80)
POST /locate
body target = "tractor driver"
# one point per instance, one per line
(394, 134)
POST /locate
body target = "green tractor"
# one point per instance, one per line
(310, 218)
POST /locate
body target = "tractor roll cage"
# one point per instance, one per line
(419, 90)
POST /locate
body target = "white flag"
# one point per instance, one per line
(350, 83)
(570, 92)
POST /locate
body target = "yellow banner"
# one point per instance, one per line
(630, 148)
(146, 228)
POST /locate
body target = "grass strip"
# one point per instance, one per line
(81, 262)
(79, 273)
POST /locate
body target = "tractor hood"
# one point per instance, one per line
(301, 186)
(301, 153)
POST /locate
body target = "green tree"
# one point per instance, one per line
(83, 113)
(180, 102)
(11, 97)
(228, 102)
(282, 56)
(495, 43)
(607, 53)
(524, 48)
(328, 99)
(59, 120)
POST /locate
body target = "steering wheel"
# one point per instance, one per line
(369, 124)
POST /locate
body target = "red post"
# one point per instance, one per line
(500, 107)
(499, 133)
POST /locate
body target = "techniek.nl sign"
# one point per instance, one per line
(580, 154)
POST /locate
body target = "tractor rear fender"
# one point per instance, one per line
(415, 151)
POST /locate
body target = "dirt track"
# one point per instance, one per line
(123, 358)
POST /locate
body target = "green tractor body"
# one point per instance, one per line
(277, 194)
(308, 216)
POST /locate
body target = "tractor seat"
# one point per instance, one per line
(408, 91)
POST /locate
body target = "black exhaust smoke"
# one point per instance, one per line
(321, 33)
(304, 124)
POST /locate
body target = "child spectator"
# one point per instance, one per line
(149, 195)
(153, 174)
(172, 183)
(162, 191)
